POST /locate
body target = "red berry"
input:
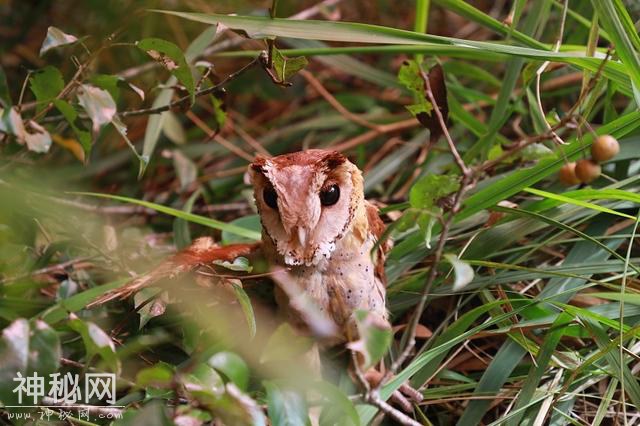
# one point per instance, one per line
(604, 148)
(587, 170)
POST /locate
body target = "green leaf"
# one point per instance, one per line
(430, 188)
(159, 375)
(633, 298)
(155, 121)
(463, 272)
(285, 406)
(114, 84)
(247, 308)
(565, 199)
(250, 222)
(171, 57)
(232, 366)
(96, 342)
(238, 264)
(150, 302)
(181, 232)
(55, 38)
(284, 67)
(219, 111)
(26, 348)
(212, 223)
(72, 117)
(374, 337)
(619, 25)
(409, 76)
(338, 403)
(46, 84)
(285, 344)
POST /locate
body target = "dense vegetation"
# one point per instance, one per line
(500, 139)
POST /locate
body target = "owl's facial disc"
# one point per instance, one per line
(305, 202)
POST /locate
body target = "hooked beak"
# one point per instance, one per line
(302, 236)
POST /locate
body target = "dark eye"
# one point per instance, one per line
(329, 196)
(270, 198)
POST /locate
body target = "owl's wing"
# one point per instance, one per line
(377, 228)
(203, 251)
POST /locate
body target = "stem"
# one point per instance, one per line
(420, 24)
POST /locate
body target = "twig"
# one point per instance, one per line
(334, 102)
(375, 400)
(436, 109)
(467, 181)
(185, 100)
(59, 267)
(216, 137)
(372, 134)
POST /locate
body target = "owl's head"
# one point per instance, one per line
(307, 201)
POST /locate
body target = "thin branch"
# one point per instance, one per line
(334, 102)
(185, 100)
(467, 181)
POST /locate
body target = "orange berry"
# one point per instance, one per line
(604, 148)
(568, 174)
(587, 170)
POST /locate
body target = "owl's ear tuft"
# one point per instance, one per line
(258, 164)
(333, 160)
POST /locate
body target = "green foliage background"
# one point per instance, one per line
(534, 314)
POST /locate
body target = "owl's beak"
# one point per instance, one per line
(302, 236)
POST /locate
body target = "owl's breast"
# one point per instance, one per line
(342, 284)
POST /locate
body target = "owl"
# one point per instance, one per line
(316, 226)
(319, 233)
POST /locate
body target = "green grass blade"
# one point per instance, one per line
(201, 220)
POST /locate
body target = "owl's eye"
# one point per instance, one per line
(329, 196)
(270, 197)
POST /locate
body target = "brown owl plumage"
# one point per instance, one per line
(316, 225)
(322, 239)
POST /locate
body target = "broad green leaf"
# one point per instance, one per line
(155, 121)
(238, 264)
(46, 84)
(285, 407)
(114, 84)
(232, 366)
(160, 375)
(150, 302)
(430, 188)
(55, 38)
(96, 342)
(284, 67)
(374, 337)
(71, 115)
(250, 222)
(26, 348)
(338, 402)
(285, 344)
(171, 57)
